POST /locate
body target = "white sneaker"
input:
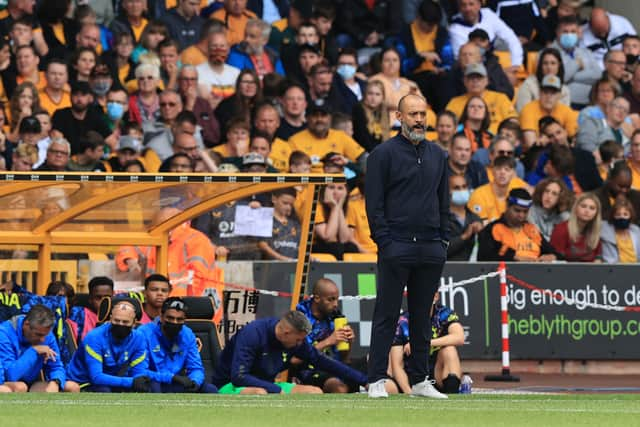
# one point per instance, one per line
(426, 389)
(377, 389)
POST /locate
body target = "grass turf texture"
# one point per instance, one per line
(329, 410)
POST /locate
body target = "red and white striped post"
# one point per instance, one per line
(504, 328)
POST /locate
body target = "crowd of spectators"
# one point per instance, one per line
(538, 95)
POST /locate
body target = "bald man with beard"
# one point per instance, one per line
(407, 198)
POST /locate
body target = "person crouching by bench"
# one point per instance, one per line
(27, 346)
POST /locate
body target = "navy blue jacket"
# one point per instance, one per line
(254, 357)
(407, 192)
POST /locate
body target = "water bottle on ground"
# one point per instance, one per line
(465, 384)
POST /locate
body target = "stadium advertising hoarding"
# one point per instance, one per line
(557, 311)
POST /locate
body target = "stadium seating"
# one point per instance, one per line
(361, 257)
(323, 257)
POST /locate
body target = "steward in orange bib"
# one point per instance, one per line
(191, 261)
(512, 237)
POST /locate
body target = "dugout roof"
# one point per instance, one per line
(87, 209)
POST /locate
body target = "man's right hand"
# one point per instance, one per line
(46, 352)
(341, 335)
(142, 384)
(184, 381)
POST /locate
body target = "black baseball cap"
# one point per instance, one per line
(30, 125)
(314, 108)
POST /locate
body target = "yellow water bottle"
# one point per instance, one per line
(339, 323)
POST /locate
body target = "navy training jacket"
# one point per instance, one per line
(407, 192)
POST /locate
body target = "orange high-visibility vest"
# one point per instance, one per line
(191, 264)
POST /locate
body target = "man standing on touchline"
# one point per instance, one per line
(407, 198)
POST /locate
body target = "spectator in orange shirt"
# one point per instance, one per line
(548, 105)
(334, 227)
(512, 237)
(55, 95)
(235, 16)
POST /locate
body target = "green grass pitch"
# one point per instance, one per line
(330, 410)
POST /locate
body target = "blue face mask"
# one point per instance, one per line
(460, 197)
(568, 40)
(483, 51)
(115, 110)
(346, 71)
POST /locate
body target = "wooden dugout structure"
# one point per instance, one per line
(49, 212)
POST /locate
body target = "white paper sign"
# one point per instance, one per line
(253, 222)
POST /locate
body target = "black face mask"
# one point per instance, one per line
(171, 330)
(631, 59)
(120, 332)
(621, 223)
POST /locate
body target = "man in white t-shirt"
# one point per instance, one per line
(215, 73)
(473, 16)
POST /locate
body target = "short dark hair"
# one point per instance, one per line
(299, 157)
(619, 168)
(288, 191)
(169, 43)
(561, 158)
(57, 61)
(60, 285)
(26, 46)
(320, 68)
(100, 281)
(448, 113)
(186, 116)
(90, 141)
(569, 20)
(430, 12)
(323, 9)
(609, 149)
(156, 278)
(547, 121)
(348, 51)
(338, 118)
(504, 161)
(41, 316)
(260, 134)
(512, 125)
